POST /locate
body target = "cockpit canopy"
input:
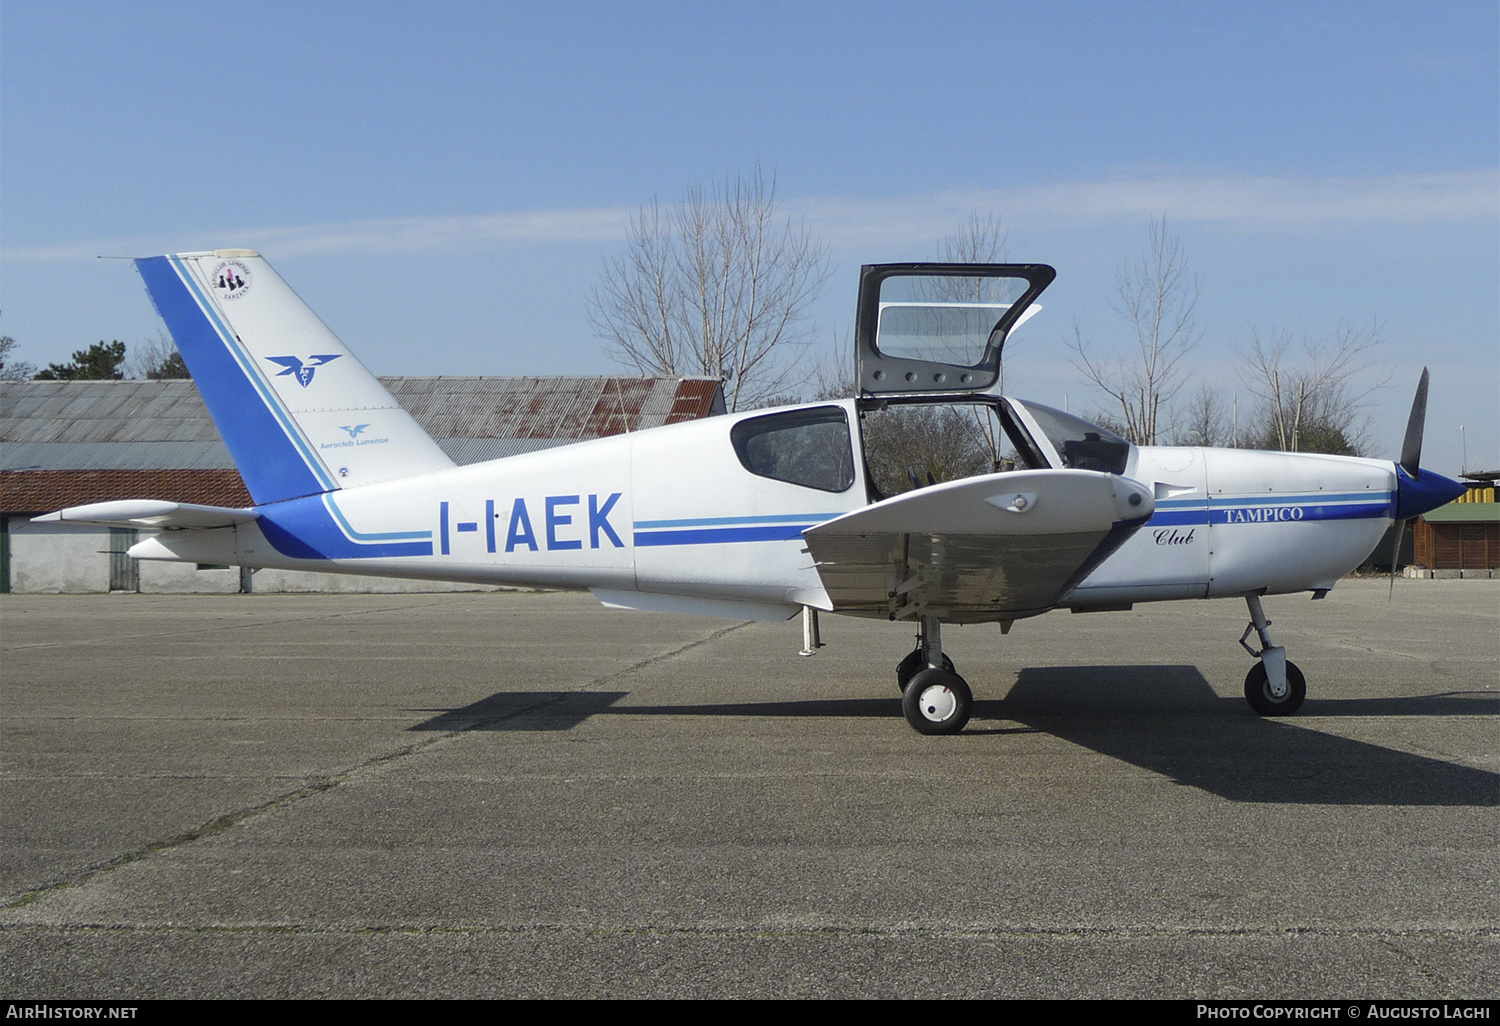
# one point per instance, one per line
(940, 328)
(928, 344)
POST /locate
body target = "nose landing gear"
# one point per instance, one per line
(1274, 686)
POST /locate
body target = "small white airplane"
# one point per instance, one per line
(761, 515)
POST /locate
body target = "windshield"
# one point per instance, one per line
(1081, 445)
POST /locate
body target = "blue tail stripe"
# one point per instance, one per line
(310, 528)
(368, 536)
(269, 459)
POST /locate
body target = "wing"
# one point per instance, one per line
(997, 547)
(166, 516)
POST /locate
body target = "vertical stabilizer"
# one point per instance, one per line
(299, 413)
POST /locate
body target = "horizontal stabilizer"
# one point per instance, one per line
(166, 516)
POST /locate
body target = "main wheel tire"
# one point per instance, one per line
(914, 664)
(1258, 691)
(937, 702)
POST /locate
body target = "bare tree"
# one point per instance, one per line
(1314, 391)
(1159, 297)
(718, 284)
(908, 446)
(11, 369)
(981, 240)
(156, 359)
(1204, 420)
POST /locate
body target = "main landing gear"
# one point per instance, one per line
(1274, 686)
(934, 698)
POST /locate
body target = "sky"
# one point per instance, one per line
(444, 182)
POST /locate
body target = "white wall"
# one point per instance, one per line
(159, 578)
(52, 559)
(268, 581)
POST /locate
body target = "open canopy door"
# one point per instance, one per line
(936, 328)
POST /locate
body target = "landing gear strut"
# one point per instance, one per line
(934, 699)
(914, 664)
(1274, 686)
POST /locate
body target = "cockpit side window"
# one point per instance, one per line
(810, 448)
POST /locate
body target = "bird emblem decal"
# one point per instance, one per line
(303, 371)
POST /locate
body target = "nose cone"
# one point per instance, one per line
(1426, 491)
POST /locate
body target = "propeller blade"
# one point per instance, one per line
(1411, 448)
(1395, 555)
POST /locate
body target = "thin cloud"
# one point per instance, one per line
(422, 234)
(1281, 204)
(1233, 201)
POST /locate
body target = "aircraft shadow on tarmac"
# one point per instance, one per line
(1161, 718)
(1167, 719)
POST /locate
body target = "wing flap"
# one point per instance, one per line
(166, 516)
(997, 547)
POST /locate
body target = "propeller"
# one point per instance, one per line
(1416, 492)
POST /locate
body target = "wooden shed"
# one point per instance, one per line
(1463, 535)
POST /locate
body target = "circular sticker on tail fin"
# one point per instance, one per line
(230, 279)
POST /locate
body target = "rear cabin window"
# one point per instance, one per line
(810, 448)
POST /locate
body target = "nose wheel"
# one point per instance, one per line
(1262, 699)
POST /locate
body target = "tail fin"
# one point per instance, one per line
(299, 413)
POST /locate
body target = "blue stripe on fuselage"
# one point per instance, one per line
(1273, 509)
(721, 530)
(719, 535)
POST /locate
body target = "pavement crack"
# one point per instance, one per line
(217, 627)
(610, 678)
(902, 932)
(319, 785)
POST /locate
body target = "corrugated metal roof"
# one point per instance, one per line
(464, 451)
(115, 456)
(160, 425)
(103, 411)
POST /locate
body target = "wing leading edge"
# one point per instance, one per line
(998, 547)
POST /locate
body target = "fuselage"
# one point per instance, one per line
(685, 517)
